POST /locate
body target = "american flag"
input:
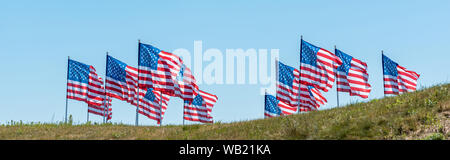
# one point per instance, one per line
(185, 84)
(288, 84)
(274, 107)
(121, 81)
(310, 98)
(352, 76)
(83, 84)
(397, 79)
(317, 66)
(157, 69)
(103, 110)
(200, 108)
(150, 104)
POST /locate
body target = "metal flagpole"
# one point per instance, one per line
(160, 108)
(337, 92)
(276, 84)
(184, 105)
(382, 61)
(276, 75)
(184, 109)
(265, 103)
(105, 110)
(87, 114)
(138, 93)
(67, 87)
(300, 75)
(105, 105)
(106, 115)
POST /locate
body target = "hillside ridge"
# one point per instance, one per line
(424, 114)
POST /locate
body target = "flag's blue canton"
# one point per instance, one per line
(181, 74)
(309, 89)
(150, 95)
(198, 100)
(389, 66)
(309, 53)
(272, 105)
(149, 56)
(285, 74)
(78, 71)
(346, 61)
(116, 69)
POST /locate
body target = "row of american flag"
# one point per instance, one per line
(159, 76)
(300, 90)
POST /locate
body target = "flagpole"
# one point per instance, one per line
(87, 114)
(138, 94)
(277, 76)
(382, 64)
(265, 103)
(67, 87)
(184, 104)
(106, 95)
(300, 75)
(160, 108)
(337, 92)
(184, 109)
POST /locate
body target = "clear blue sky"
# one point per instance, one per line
(37, 36)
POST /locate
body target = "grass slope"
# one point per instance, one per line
(423, 114)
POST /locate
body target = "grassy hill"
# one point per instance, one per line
(423, 114)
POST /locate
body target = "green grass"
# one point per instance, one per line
(419, 115)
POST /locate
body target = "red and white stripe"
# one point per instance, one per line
(210, 100)
(287, 94)
(310, 99)
(121, 90)
(186, 88)
(153, 109)
(323, 74)
(163, 78)
(200, 113)
(287, 109)
(92, 93)
(356, 83)
(103, 110)
(406, 81)
(318, 97)
(268, 114)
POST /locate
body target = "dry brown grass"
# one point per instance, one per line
(419, 115)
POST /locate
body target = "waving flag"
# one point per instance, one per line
(85, 85)
(352, 76)
(150, 104)
(121, 81)
(200, 108)
(209, 100)
(103, 110)
(310, 98)
(288, 84)
(397, 79)
(274, 107)
(318, 66)
(157, 69)
(185, 84)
